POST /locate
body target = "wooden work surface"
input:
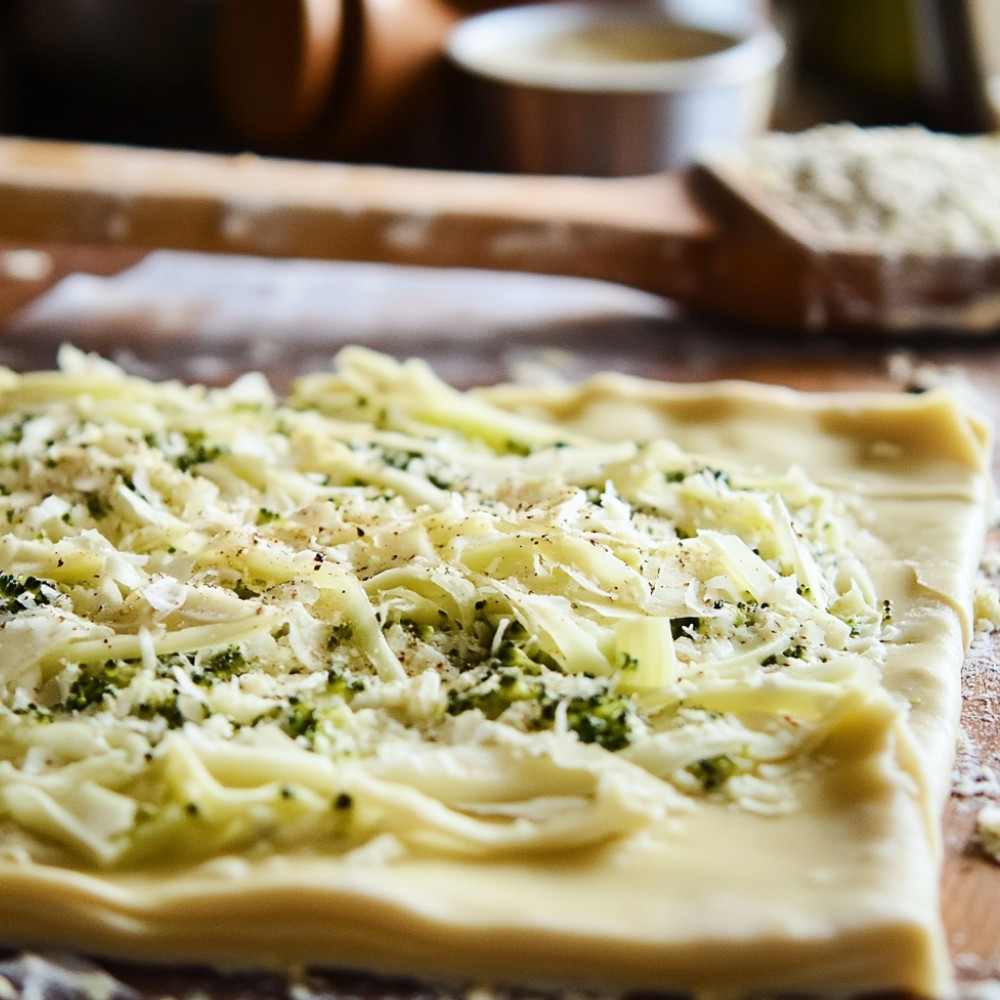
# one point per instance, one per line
(205, 318)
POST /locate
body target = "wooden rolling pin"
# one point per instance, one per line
(703, 237)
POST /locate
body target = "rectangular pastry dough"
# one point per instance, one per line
(617, 684)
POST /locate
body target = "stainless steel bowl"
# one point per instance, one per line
(612, 88)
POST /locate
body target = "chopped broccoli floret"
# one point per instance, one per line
(220, 666)
(713, 772)
(87, 690)
(167, 709)
(198, 452)
(603, 718)
(495, 695)
(300, 721)
(19, 595)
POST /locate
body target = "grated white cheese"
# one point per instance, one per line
(386, 608)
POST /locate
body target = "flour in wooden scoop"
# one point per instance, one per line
(891, 189)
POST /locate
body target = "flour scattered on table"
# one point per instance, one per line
(988, 830)
(986, 602)
(983, 989)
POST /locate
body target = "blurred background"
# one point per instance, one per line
(378, 81)
(367, 80)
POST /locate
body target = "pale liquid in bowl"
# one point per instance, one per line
(626, 43)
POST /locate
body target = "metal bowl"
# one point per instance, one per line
(611, 88)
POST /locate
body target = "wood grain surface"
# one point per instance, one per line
(194, 316)
(707, 235)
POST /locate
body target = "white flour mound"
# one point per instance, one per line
(902, 189)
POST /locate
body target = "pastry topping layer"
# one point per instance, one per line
(384, 614)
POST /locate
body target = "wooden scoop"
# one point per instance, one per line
(704, 237)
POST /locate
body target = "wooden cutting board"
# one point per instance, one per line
(165, 318)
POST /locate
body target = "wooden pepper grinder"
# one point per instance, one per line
(327, 78)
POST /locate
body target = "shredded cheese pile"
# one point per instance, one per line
(386, 616)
